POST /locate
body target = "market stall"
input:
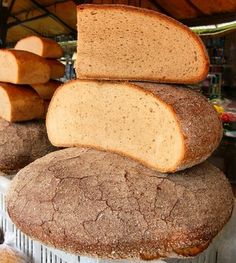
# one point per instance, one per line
(132, 183)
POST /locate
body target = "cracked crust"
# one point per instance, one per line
(104, 205)
(21, 144)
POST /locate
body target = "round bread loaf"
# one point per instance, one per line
(101, 204)
(21, 144)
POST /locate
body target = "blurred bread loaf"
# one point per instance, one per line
(23, 67)
(41, 46)
(20, 103)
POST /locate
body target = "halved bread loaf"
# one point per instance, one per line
(21, 144)
(46, 90)
(41, 46)
(57, 68)
(164, 127)
(22, 67)
(103, 205)
(127, 43)
(20, 103)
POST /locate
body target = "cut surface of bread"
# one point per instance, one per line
(104, 205)
(22, 143)
(126, 43)
(20, 103)
(57, 68)
(164, 127)
(41, 46)
(46, 90)
(22, 67)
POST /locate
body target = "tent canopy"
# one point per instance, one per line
(50, 18)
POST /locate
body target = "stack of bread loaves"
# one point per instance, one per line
(122, 192)
(51, 51)
(22, 139)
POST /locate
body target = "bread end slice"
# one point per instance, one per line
(158, 125)
(117, 42)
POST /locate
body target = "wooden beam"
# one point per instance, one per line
(28, 28)
(210, 19)
(3, 24)
(19, 22)
(53, 16)
(160, 7)
(194, 6)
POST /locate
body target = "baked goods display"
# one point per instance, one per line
(165, 127)
(118, 42)
(23, 136)
(102, 204)
(108, 197)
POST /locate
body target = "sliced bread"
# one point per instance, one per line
(126, 43)
(41, 46)
(165, 127)
(20, 103)
(22, 67)
(104, 205)
(46, 90)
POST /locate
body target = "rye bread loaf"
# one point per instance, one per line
(165, 127)
(46, 90)
(57, 68)
(127, 43)
(20, 103)
(21, 144)
(22, 67)
(101, 204)
(41, 46)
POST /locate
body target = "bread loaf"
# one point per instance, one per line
(101, 204)
(20, 103)
(22, 67)
(127, 43)
(22, 143)
(57, 68)
(41, 46)
(46, 90)
(165, 127)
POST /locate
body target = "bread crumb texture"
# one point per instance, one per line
(165, 127)
(101, 204)
(122, 42)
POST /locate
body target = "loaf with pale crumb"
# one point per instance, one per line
(20, 103)
(121, 42)
(167, 128)
(41, 46)
(23, 67)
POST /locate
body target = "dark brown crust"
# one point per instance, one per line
(200, 136)
(164, 17)
(198, 121)
(101, 204)
(21, 144)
